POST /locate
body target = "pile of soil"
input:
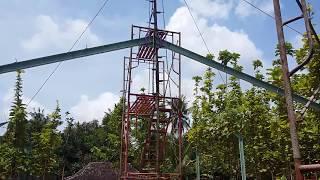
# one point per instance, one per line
(96, 171)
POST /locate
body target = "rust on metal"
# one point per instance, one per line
(153, 106)
(286, 79)
(310, 168)
(288, 90)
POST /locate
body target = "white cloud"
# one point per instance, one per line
(187, 89)
(215, 9)
(57, 35)
(89, 109)
(297, 42)
(244, 9)
(141, 80)
(217, 38)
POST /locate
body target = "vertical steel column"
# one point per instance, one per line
(127, 118)
(180, 117)
(180, 139)
(288, 90)
(123, 115)
(156, 59)
(242, 159)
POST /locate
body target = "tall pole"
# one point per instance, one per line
(242, 159)
(156, 61)
(288, 90)
(180, 140)
(180, 117)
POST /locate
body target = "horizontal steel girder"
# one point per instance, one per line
(238, 74)
(72, 55)
(148, 41)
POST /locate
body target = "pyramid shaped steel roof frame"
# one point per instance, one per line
(148, 41)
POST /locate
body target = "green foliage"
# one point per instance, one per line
(16, 133)
(257, 64)
(7, 157)
(289, 49)
(45, 145)
(259, 116)
(228, 57)
(33, 146)
(142, 89)
(179, 108)
(210, 56)
(112, 125)
(305, 83)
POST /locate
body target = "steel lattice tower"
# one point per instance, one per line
(151, 106)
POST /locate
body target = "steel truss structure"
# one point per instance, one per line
(150, 108)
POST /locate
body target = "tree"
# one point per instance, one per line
(16, 136)
(111, 124)
(46, 143)
(305, 83)
(179, 108)
(7, 157)
(63, 151)
(16, 132)
(219, 115)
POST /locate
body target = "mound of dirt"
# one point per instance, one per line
(96, 171)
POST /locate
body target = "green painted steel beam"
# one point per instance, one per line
(72, 55)
(3, 123)
(238, 74)
(242, 158)
(147, 41)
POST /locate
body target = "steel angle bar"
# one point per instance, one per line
(311, 99)
(3, 123)
(231, 71)
(72, 55)
(310, 168)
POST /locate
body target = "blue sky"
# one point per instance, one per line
(89, 86)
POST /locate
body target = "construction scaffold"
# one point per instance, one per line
(151, 110)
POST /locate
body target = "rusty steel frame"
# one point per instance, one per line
(152, 107)
(286, 79)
